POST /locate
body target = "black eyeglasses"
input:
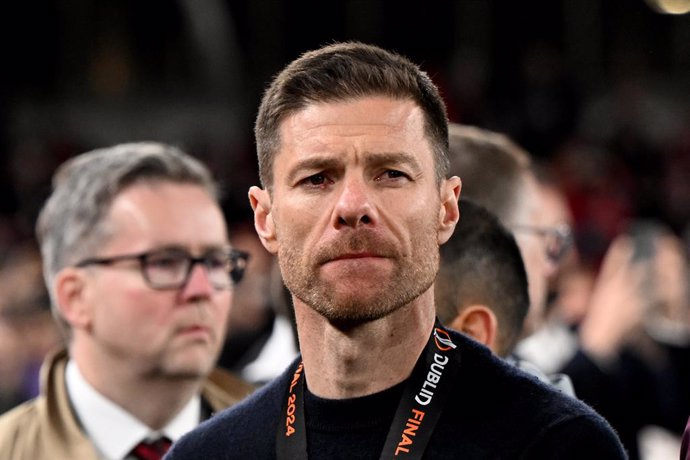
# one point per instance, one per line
(170, 268)
(558, 239)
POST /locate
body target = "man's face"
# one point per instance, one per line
(355, 213)
(174, 332)
(533, 250)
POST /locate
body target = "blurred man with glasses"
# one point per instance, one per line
(482, 290)
(498, 174)
(140, 273)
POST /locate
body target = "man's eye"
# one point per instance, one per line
(217, 261)
(166, 261)
(315, 180)
(393, 174)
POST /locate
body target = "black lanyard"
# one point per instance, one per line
(420, 406)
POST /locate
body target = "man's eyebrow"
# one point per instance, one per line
(393, 159)
(311, 164)
(372, 160)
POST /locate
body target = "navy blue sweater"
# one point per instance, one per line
(496, 411)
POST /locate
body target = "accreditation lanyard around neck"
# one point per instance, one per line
(420, 407)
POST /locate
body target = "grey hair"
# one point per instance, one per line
(72, 224)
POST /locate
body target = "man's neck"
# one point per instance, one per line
(365, 359)
(155, 402)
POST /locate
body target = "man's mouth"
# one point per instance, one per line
(357, 255)
(195, 330)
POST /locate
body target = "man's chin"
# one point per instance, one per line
(352, 314)
(189, 366)
(186, 373)
(349, 323)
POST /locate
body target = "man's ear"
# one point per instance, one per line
(70, 289)
(449, 214)
(260, 200)
(480, 323)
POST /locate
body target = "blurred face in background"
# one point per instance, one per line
(251, 306)
(27, 329)
(544, 235)
(526, 224)
(118, 319)
(669, 285)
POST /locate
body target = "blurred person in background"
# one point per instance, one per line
(481, 288)
(280, 347)
(568, 285)
(27, 329)
(140, 272)
(12, 367)
(262, 339)
(634, 339)
(251, 314)
(497, 174)
(595, 353)
(685, 444)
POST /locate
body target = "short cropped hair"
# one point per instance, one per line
(341, 72)
(492, 167)
(481, 264)
(72, 226)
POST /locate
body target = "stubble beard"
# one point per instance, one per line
(343, 301)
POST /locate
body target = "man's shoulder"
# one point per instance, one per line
(507, 386)
(243, 427)
(222, 389)
(18, 428)
(23, 414)
(267, 398)
(518, 408)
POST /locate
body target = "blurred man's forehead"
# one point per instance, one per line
(527, 202)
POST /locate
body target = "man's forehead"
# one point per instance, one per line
(527, 201)
(353, 115)
(369, 126)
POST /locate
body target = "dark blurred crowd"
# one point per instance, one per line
(616, 152)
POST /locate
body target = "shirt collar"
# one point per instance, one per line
(114, 431)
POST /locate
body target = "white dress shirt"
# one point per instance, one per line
(113, 430)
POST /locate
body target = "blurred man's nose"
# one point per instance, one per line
(198, 284)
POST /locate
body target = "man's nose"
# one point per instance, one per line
(198, 283)
(354, 206)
